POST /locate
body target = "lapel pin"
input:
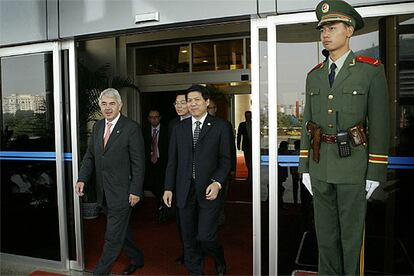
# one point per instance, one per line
(117, 131)
(209, 124)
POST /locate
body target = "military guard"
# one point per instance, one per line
(344, 143)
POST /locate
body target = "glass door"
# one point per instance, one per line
(293, 49)
(35, 156)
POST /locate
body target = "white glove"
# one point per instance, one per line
(307, 182)
(370, 187)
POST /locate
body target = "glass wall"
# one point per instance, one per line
(162, 59)
(29, 208)
(218, 55)
(204, 56)
(388, 243)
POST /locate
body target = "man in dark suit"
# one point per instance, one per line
(198, 165)
(156, 151)
(244, 134)
(116, 152)
(212, 110)
(181, 109)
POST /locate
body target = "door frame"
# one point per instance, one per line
(56, 49)
(270, 23)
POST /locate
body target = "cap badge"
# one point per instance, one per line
(325, 8)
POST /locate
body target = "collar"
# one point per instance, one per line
(339, 62)
(157, 127)
(185, 116)
(114, 121)
(193, 120)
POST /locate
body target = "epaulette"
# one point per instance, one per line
(369, 60)
(316, 67)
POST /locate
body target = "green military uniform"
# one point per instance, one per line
(358, 95)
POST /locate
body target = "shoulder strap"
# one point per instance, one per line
(320, 65)
(369, 60)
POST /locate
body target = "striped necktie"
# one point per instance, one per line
(196, 134)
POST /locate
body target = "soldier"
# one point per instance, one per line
(344, 143)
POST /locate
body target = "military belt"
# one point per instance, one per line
(328, 138)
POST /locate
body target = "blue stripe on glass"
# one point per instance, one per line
(394, 162)
(33, 155)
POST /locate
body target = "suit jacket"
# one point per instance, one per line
(162, 144)
(243, 137)
(171, 124)
(211, 157)
(359, 95)
(120, 167)
(233, 151)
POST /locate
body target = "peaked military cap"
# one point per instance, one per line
(337, 10)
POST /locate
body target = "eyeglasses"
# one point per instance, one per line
(180, 103)
(196, 100)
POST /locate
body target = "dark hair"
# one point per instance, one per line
(179, 93)
(205, 93)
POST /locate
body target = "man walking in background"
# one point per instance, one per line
(116, 153)
(244, 136)
(181, 109)
(156, 150)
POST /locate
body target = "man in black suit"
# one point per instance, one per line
(116, 152)
(244, 134)
(181, 109)
(156, 152)
(198, 165)
(212, 110)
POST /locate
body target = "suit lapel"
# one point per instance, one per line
(115, 133)
(100, 128)
(344, 72)
(188, 133)
(208, 123)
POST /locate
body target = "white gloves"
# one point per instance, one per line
(370, 187)
(307, 182)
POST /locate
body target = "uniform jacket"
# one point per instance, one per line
(120, 167)
(359, 94)
(211, 157)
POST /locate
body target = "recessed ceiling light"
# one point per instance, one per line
(205, 60)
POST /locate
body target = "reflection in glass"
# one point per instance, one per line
(29, 217)
(162, 59)
(218, 55)
(388, 242)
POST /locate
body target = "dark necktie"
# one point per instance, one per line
(196, 134)
(154, 146)
(332, 74)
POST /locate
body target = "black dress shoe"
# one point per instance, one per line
(131, 269)
(180, 260)
(221, 269)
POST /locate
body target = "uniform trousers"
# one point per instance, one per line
(118, 236)
(199, 227)
(339, 211)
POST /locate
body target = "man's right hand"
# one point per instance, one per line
(307, 182)
(79, 188)
(167, 197)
